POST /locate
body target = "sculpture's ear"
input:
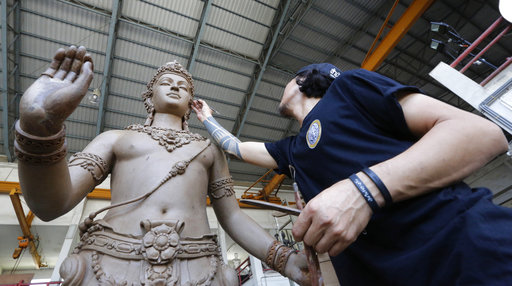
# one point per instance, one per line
(149, 120)
(148, 104)
(184, 124)
(184, 119)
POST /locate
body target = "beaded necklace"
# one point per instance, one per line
(170, 139)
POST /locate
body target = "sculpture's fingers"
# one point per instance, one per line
(87, 58)
(66, 63)
(76, 64)
(54, 66)
(84, 78)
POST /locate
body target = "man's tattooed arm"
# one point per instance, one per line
(226, 140)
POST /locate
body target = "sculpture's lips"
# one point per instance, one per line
(174, 95)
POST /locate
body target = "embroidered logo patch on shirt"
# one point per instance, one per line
(314, 133)
(333, 73)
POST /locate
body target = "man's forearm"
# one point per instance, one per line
(413, 173)
(226, 140)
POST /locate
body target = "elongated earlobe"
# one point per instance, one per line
(149, 119)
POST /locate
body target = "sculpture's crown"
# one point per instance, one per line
(175, 68)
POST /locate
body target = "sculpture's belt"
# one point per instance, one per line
(160, 248)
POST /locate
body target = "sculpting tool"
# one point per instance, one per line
(313, 264)
(272, 206)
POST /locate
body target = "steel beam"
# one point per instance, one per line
(25, 226)
(274, 183)
(17, 57)
(213, 26)
(355, 28)
(172, 34)
(358, 34)
(199, 34)
(107, 70)
(401, 27)
(5, 82)
(294, 20)
(253, 87)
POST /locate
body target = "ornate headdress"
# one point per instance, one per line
(170, 67)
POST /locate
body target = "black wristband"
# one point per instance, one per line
(365, 192)
(380, 185)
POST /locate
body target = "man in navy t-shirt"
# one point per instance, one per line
(379, 165)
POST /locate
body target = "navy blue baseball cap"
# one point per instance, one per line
(325, 69)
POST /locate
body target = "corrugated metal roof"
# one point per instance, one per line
(216, 58)
(177, 16)
(152, 32)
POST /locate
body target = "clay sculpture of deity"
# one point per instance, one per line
(155, 232)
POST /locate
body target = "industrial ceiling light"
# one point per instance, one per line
(506, 9)
(439, 27)
(94, 96)
(437, 45)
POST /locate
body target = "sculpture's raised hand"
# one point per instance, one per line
(55, 95)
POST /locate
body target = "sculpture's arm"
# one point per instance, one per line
(244, 230)
(49, 187)
(51, 190)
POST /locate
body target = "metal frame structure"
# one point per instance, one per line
(6, 72)
(199, 34)
(415, 10)
(109, 57)
(291, 20)
(266, 53)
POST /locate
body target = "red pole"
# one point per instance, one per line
(477, 42)
(497, 71)
(498, 37)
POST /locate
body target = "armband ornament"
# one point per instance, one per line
(92, 163)
(221, 188)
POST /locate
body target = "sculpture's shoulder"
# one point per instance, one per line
(105, 140)
(111, 134)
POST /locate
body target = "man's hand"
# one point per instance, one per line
(333, 219)
(58, 91)
(202, 109)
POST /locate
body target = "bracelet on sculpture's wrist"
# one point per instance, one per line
(38, 144)
(278, 255)
(365, 192)
(39, 150)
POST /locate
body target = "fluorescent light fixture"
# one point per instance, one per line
(506, 9)
(40, 280)
(437, 45)
(439, 27)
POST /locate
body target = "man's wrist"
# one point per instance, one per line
(372, 188)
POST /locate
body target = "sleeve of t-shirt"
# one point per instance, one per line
(374, 95)
(279, 151)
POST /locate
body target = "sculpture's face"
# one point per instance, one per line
(171, 94)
